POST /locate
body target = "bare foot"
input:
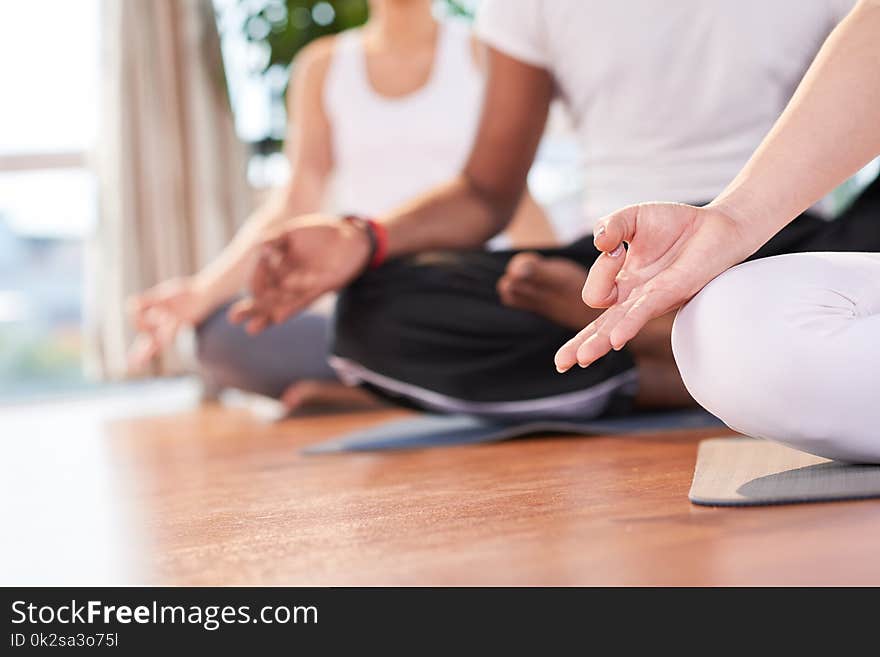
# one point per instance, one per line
(550, 287)
(326, 394)
(660, 385)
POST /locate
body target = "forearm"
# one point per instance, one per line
(829, 130)
(456, 215)
(224, 276)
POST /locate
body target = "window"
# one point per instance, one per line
(48, 198)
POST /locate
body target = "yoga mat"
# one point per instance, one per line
(747, 472)
(448, 430)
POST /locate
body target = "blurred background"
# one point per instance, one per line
(88, 87)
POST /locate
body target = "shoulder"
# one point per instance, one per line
(463, 39)
(498, 12)
(310, 69)
(516, 29)
(316, 56)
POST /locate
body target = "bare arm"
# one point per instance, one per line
(481, 200)
(530, 226)
(830, 129)
(308, 149)
(319, 254)
(158, 313)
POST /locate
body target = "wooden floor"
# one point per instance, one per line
(215, 496)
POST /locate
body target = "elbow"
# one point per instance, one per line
(498, 202)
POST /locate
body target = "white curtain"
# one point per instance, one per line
(172, 177)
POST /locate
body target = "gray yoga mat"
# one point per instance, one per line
(747, 472)
(448, 430)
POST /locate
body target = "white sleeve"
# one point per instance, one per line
(514, 27)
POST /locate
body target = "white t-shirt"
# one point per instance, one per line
(669, 99)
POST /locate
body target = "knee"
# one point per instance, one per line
(738, 359)
(707, 343)
(748, 348)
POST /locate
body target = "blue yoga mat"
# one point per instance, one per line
(448, 430)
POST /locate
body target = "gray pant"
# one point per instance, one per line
(267, 363)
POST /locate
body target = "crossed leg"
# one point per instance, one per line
(786, 349)
(551, 286)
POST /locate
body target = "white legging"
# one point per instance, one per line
(788, 348)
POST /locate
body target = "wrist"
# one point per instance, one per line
(736, 205)
(206, 294)
(758, 209)
(748, 218)
(376, 236)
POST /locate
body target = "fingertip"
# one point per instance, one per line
(604, 236)
(619, 338)
(142, 351)
(590, 351)
(283, 314)
(562, 363)
(238, 311)
(133, 361)
(564, 359)
(256, 325)
(582, 358)
(600, 233)
(600, 289)
(616, 228)
(615, 339)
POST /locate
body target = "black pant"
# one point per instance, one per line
(429, 330)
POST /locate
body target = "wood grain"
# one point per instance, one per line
(233, 502)
(218, 497)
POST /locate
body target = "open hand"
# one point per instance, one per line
(159, 313)
(673, 251)
(302, 261)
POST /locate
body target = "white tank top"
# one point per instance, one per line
(387, 150)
